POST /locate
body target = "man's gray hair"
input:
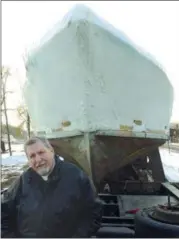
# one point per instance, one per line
(34, 140)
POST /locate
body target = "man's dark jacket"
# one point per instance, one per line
(64, 206)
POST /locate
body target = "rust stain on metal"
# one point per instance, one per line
(126, 127)
(57, 130)
(66, 123)
(122, 151)
(138, 122)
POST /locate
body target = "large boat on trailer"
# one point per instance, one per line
(105, 105)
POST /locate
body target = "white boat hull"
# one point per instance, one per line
(85, 76)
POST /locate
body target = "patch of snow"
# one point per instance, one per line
(16, 159)
(170, 158)
(171, 174)
(170, 162)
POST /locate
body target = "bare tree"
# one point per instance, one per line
(22, 110)
(5, 73)
(28, 124)
(24, 117)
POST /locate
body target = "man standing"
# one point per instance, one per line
(53, 198)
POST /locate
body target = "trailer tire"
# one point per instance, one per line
(147, 227)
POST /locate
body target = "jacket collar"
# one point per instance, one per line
(55, 174)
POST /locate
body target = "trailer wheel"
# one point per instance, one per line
(152, 223)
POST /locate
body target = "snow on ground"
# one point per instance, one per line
(18, 156)
(12, 166)
(170, 160)
(16, 159)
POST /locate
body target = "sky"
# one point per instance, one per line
(153, 25)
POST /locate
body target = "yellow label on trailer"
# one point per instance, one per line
(125, 127)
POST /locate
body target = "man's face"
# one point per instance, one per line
(41, 158)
